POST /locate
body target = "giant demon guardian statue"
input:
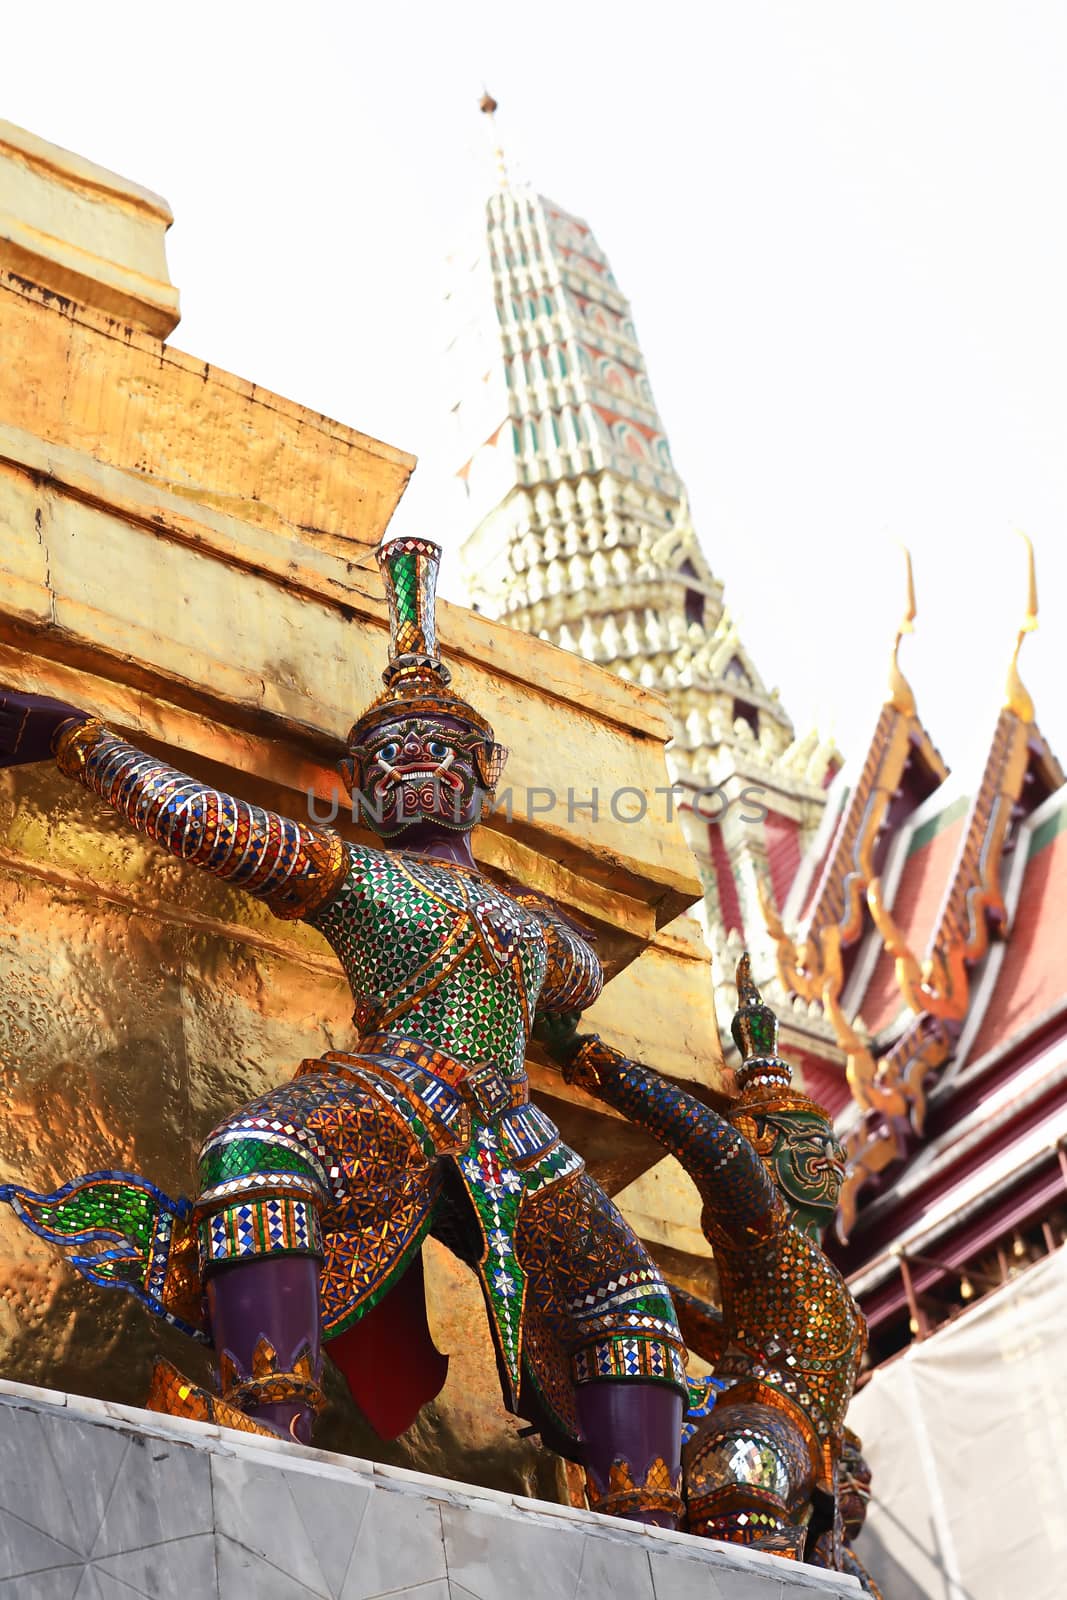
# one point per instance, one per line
(314, 1200)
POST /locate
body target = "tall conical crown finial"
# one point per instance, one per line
(900, 691)
(1017, 696)
(409, 569)
(755, 1031)
(416, 679)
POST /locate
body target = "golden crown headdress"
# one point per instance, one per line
(416, 679)
(764, 1080)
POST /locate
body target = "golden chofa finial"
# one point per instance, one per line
(1016, 695)
(900, 690)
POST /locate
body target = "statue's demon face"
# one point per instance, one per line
(806, 1162)
(854, 1483)
(419, 770)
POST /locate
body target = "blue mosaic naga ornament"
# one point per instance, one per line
(319, 1195)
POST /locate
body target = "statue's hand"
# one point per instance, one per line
(558, 1034)
(560, 1037)
(29, 724)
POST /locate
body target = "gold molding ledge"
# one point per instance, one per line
(84, 233)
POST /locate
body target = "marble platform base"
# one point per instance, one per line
(104, 1502)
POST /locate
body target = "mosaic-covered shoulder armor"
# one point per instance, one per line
(574, 977)
(293, 867)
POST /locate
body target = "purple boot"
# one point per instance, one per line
(633, 1446)
(265, 1323)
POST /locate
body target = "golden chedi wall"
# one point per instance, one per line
(191, 558)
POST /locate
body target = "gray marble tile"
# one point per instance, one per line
(737, 1584)
(400, 1546)
(331, 1511)
(497, 1557)
(546, 1508)
(134, 1418)
(676, 1576)
(55, 1583)
(25, 1548)
(255, 1509)
(446, 1488)
(610, 1567)
(95, 1587)
(439, 1589)
(30, 1485)
(161, 1491)
(178, 1569)
(801, 1580)
(244, 1576)
(86, 1460)
(290, 1523)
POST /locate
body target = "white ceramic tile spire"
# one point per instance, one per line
(577, 525)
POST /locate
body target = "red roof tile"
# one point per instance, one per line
(782, 835)
(821, 1081)
(920, 892)
(729, 900)
(1033, 975)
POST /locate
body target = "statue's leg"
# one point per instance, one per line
(602, 1295)
(294, 1190)
(749, 1478)
(264, 1317)
(264, 1187)
(631, 1446)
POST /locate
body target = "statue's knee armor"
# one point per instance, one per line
(748, 1474)
(599, 1291)
(264, 1183)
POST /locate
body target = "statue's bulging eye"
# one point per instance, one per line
(389, 752)
(436, 749)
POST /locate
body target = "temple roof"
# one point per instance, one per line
(918, 924)
(1029, 985)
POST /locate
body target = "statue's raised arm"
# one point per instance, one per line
(741, 1203)
(292, 866)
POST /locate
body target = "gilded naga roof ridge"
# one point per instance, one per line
(937, 990)
(1017, 697)
(810, 963)
(901, 695)
(960, 936)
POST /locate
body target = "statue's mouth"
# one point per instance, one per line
(420, 778)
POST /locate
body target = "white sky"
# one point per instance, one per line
(841, 225)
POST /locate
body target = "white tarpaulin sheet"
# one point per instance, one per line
(966, 1435)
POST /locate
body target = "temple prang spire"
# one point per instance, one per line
(579, 530)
